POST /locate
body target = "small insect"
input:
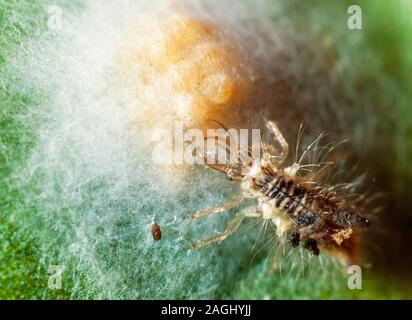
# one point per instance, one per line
(156, 232)
(303, 212)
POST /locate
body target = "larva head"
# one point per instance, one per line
(250, 182)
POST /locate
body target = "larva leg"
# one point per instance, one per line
(312, 245)
(232, 227)
(222, 208)
(281, 141)
(294, 239)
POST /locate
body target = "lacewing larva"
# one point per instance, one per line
(302, 211)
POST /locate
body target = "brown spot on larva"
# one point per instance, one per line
(156, 232)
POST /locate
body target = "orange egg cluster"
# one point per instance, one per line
(185, 59)
(204, 75)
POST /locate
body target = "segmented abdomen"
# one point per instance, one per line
(295, 201)
(306, 206)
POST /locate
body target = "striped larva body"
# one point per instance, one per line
(302, 212)
(309, 216)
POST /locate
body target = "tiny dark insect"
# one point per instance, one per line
(156, 232)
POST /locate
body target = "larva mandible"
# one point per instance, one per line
(301, 211)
